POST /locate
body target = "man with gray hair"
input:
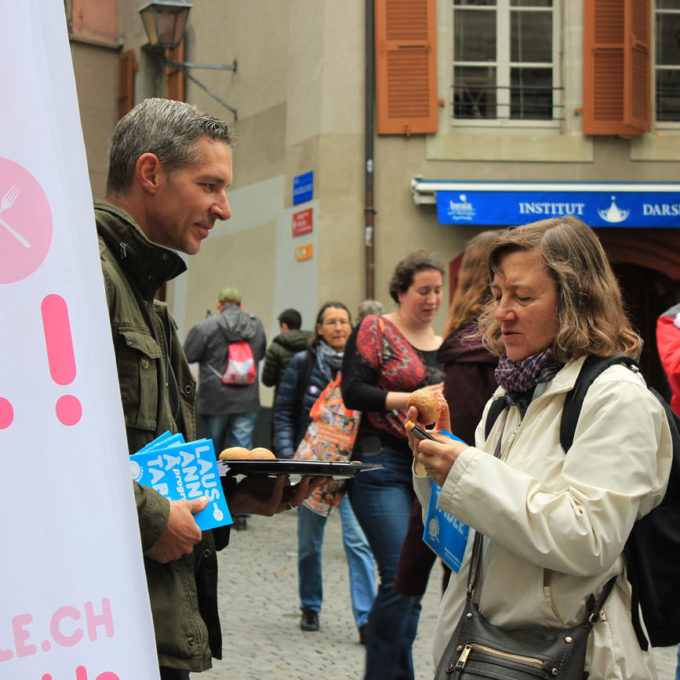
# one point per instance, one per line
(169, 170)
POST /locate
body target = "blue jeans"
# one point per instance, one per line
(382, 501)
(359, 559)
(240, 427)
(677, 669)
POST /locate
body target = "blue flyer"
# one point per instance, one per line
(166, 439)
(184, 471)
(443, 532)
(161, 439)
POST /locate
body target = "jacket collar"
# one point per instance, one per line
(147, 264)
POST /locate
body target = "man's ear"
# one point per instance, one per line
(149, 172)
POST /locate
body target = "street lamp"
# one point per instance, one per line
(164, 22)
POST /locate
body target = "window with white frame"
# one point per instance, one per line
(505, 62)
(667, 61)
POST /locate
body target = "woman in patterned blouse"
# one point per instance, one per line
(386, 358)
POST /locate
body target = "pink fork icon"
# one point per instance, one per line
(5, 204)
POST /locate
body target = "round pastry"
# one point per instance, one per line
(428, 405)
(235, 453)
(260, 453)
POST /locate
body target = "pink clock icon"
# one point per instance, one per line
(25, 222)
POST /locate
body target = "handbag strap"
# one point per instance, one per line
(476, 557)
(476, 565)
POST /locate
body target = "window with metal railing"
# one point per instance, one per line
(505, 61)
(667, 60)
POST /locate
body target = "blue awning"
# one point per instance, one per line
(599, 204)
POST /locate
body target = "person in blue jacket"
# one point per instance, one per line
(306, 376)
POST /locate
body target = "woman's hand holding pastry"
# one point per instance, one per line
(435, 458)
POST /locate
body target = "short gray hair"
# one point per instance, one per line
(369, 307)
(164, 127)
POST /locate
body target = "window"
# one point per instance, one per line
(505, 55)
(667, 62)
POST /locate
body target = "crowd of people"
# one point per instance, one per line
(531, 304)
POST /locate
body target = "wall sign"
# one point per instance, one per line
(303, 188)
(598, 205)
(304, 252)
(303, 222)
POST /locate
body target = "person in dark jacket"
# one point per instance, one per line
(307, 375)
(288, 342)
(226, 408)
(163, 155)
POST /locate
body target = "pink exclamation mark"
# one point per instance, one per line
(6, 414)
(60, 355)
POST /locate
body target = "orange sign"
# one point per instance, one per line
(304, 252)
(303, 222)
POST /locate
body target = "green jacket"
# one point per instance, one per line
(158, 393)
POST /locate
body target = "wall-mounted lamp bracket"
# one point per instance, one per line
(184, 67)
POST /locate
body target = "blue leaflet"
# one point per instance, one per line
(183, 471)
(443, 532)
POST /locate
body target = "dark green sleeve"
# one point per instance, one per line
(153, 511)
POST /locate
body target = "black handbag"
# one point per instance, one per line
(480, 649)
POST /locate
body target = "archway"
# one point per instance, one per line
(647, 265)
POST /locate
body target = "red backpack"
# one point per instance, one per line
(240, 368)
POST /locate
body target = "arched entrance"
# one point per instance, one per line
(647, 265)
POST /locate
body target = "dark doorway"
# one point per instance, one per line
(647, 294)
(647, 264)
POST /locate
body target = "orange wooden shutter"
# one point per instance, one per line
(174, 79)
(406, 66)
(637, 95)
(126, 82)
(616, 67)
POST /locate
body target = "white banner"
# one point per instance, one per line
(73, 598)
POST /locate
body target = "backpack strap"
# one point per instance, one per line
(592, 367)
(497, 407)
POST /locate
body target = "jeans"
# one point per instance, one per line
(677, 669)
(382, 501)
(359, 559)
(239, 425)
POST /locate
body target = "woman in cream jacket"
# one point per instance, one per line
(554, 525)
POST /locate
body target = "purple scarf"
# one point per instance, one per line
(519, 378)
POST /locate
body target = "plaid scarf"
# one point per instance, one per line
(519, 378)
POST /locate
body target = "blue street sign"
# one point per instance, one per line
(303, 188)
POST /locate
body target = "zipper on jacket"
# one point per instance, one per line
(475, 647)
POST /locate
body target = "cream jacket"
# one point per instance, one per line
(556, 524)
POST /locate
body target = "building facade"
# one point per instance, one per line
(381, 107)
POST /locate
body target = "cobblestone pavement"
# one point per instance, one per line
(260, 615)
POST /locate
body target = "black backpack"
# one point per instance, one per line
(652, 551)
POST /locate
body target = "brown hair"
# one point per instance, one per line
(472, 289)
(418, 261)
(590, 309)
